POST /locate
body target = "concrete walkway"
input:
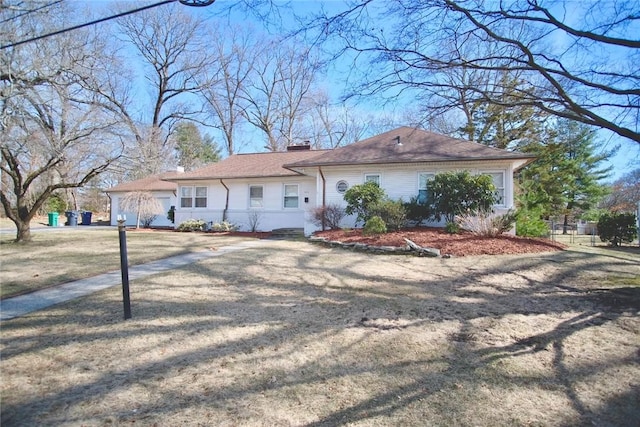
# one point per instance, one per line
(27, 303)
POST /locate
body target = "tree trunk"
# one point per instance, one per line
(565, 225)
(23, 233)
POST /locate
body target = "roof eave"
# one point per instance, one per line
(528, 159)
(209, 178)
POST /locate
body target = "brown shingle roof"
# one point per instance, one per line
(416, 145)
(149, 183)
(255, 165)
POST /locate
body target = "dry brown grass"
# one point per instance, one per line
(293, 334)
(62, 255)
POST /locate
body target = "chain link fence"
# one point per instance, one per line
(583, 233)
(580, 232)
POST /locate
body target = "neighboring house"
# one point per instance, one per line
(162, 190)
(266, 191)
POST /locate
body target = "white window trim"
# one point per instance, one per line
(432, 173)
(504, 184)
(261, 199)
(284, 196)
(193, 196)
(368, 174)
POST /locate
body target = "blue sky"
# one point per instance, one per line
(626, 159)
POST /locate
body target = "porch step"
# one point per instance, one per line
(287, 233)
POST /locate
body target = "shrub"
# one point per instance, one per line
(331, 215)
(192, 225)
(616, 228)
(255, 216)
(416, 212)
(171, 214)
(223, 226)
(486, 223)
(452, 228)
(529, 223)
(375, 225)
(393, 213)
(147, 220)
(361, 198)
(56, 204)
(453, 193)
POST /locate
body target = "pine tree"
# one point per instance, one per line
(193, 150)
(566, 177)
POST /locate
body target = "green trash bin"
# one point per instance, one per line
(53, 219)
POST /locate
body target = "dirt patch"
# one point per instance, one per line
(460, 244)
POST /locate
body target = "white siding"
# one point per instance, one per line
(272, 215)
(401, 181)
(166, 199)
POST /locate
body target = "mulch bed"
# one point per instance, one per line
(464, 243)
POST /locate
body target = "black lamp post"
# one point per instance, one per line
(197, 3)
(124, 266)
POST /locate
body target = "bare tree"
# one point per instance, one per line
(171, 44)
(580, 58)
(281, 82)
(331, 126)
(144, 204)
(55, 132)
(234, 51)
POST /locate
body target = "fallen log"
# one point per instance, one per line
(422, 251)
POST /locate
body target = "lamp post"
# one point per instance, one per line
(124, 266)
(197, 3)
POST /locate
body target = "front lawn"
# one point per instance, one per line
(291, 333)
(58, 256)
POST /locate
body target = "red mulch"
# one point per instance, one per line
(461, 244)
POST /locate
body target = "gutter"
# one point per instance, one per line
(226, 203)
(527, 157)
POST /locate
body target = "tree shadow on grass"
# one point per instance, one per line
(277, 307)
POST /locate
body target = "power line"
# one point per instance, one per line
(31, 11)
(97, 21)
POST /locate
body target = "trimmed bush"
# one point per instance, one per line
(393, 213)
(617, 228)
(375, 225)
(361, 198)
(453, 193)
(192, 225)
(223, 226)
(416, 212)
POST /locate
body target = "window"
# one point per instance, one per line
(342, 186)
(372, 177)
(255, 196)
(291, 196)
(498, 181)
(201, 197)
(423, 179)
(187, 199)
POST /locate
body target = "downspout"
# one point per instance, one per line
(324, 195)
(226, 203)
(110, 207)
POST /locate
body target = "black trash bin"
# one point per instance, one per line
(72, 218)
(86, 218)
